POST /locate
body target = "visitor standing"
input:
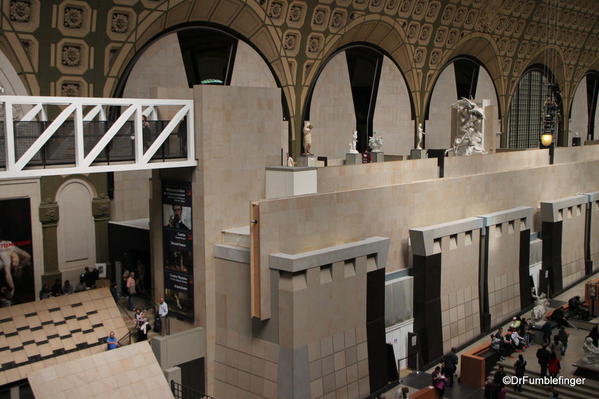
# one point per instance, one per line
(450, 365)
(554, 365)
(131, 290)
(163, 317)
(520, 368)
(563, 336)
(112, 342)
(543, 356)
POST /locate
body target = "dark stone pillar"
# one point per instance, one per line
(427, 306)
(375, 329)
(525, 294)
(551, 272)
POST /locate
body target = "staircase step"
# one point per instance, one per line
(237, 237)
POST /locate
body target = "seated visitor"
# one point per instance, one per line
(496, 345)
(439, 381)
(45, 291)
(517, 340)
(515, 323)
(112, 342)
(67, 288)
(558, 316)
(594, 335)
(56, 288)
(81, 286)
(507, 347)
(577, 309)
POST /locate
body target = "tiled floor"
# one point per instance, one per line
(124, 373)
(35, 335)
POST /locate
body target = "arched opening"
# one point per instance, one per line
(462, 77)
(76, 237)
(526, 111)
(167, 66)
(10, 83)
(359, 88)
(583, 119)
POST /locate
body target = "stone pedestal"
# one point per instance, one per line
(284, 181)
(353, 159)
(307, 160)
(377, 156)
(417, 154)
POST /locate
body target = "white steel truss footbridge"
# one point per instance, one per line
(44, 136)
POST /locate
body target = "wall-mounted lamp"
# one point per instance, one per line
(547, 142)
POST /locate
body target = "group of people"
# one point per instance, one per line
(142, 322)
(550, 354)
(87, 280)
(443, 374)
(517, 338)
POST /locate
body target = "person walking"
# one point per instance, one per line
(450, 365)
(563, 336)
(557, 347)
(131, 290)
(520, 368)
(543, 356)
(163, 317)
(554, 365)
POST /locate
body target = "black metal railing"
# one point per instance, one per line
(181, 392)
(60, 149)
(125, 339)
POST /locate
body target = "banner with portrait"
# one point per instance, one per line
(17, 283)
(178, 248)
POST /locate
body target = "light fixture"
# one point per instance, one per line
(546, 139)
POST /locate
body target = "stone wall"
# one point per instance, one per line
(594, 233)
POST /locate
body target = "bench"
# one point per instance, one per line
(476, 364)
(425, 393)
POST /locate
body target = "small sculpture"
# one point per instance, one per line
(352, 144)
(307, 138)
(420, 135)
(375, 142)
(469, 138)
(591, 352)
(290, 161)
(541, 304)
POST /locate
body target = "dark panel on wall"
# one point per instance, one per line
(375, 329)
(364, 66)
(208, 56)
(592, 89)
(427, 306)
(483, 275)
(466, 77)
(525, 294)
(551, 275)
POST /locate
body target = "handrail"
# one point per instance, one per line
(125, 338)
(181, 392)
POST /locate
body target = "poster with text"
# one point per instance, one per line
(16, 250)
(178, 248)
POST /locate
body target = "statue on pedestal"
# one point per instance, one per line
(541, 304)
(420, 135)
(591, 352)
(375, 142)
(469, 137)
(352, 144)
(307, 138)
(290, 161)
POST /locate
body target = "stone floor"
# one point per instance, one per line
(573, 353)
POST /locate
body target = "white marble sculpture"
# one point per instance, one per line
(375, 142)
(290, 161)
(469, 137)
(591, 352)
(352, 144)
(541, 304)
(307, 138)
(420, 136)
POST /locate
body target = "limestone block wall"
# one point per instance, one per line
(576, 154)
(564, 224)
(507, 262)
(497, 162)
(245, 365)
(347, 177)
(332, 340)
(446, 276)
(594, 229)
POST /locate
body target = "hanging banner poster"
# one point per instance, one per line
(16, 249)
(178, 248)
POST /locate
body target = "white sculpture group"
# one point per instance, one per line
(469, 137)
(591, 352)
(352, 144)
(375, 142)
(541, 304)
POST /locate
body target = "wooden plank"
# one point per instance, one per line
(255, 258)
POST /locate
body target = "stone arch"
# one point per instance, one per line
(481, 49)
(244, 20)
(382, 33)
(552, 58)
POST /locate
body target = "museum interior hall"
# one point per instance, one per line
(299, 199)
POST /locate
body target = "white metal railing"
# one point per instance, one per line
(71, 115)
